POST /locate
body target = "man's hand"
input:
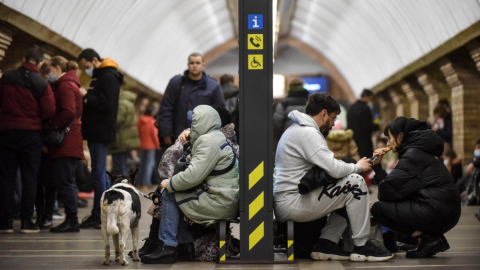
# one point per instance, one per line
(379, 153)
(366, 164)
(83, 92)
(184, 136)
(167, 140)
(469, 169)
(163, 184)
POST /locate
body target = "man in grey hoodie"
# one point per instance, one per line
(303, 146)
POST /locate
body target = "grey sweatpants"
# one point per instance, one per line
(350, 192)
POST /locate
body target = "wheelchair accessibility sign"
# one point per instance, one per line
(255, 41)
(255, 61)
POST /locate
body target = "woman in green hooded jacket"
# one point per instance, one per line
(205, 192)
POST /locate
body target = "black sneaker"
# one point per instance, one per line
(91, 222)
(369, 253)
(29, 227)
(69, 225)
(325, 250)
(6, 226)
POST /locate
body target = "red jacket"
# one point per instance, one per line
(69, 107)
(148, 133)
(19, 110)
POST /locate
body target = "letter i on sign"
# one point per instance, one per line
(255, 21)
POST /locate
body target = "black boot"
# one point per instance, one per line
(29, 227)
(186, 252)
(446, 246)
(429, 246)
(69, 225)
(161, 255)
(149, 246)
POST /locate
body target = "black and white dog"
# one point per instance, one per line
(121, 211)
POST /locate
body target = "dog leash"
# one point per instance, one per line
(147, 196)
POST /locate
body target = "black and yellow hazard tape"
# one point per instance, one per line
(255, 206)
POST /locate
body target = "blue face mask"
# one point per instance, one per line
(89, 71)
(476, 153)
(52, 78)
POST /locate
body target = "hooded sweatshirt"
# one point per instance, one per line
(301, 147)
(210, 152)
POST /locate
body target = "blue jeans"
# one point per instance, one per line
(173, 227)
(101, 182)
(119, 163)
(147, 164)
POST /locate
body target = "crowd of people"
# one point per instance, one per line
(322, 166)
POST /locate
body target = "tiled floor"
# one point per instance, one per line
(84, 250)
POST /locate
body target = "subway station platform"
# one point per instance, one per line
(84, 250)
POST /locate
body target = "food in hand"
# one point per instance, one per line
(386, 149)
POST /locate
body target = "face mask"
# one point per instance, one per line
(445, 161)
(89, 71)
(52, 78)
(476, 153)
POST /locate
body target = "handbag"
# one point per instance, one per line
(54, 137)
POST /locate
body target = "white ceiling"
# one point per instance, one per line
(367, 40)
(149, 39)
(370, 40)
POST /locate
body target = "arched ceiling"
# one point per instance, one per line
(149, 39)
(366, 40)
(369, 40)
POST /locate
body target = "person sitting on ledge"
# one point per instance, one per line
(205, 192)
(418, 197)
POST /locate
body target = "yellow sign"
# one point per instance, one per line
(255, 41)
(255, 61)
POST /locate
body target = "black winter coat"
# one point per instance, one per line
(360, 120)
(420, 186)
(176, 102)
(100, 106)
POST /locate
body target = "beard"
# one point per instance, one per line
(325, 129)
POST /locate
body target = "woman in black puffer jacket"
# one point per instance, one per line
(418, 197)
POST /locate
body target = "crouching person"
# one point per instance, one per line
(419, 197)
(205, 192)
(303, 146)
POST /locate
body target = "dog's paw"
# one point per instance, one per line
(106, 263)
(117, 259)
(136, 257)
(124, 263)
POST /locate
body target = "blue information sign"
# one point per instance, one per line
(255, 21)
